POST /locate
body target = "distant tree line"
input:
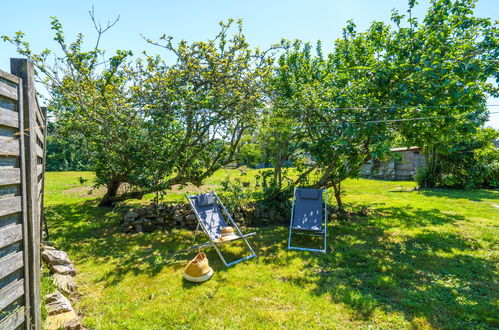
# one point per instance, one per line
(65, 152)
(143, 124)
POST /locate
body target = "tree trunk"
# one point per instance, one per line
(433, 174)
(111, 196)
(277, 175)
(337, 195)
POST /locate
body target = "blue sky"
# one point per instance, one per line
(265, 22)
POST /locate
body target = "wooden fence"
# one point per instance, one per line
(22, 163)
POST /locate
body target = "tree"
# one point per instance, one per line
(204, 103)
(89, 99)
(278, 136)
(250, 152)
(447, 64)
(423, 81)
(328, 96)
(149, 125)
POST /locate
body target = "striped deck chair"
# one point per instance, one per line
(307, 217)
(208, 209)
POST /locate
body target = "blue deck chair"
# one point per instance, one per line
(307, 217)
(208, 209)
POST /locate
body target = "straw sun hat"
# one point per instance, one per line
(227, 234)
(198, 269)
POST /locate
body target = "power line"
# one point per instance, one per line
(412, 119)
(397, 107)
(394, 107)
(389, 120)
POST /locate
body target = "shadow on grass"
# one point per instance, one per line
(409, 217)
(91, 234)
(429, 274)
(472, 195)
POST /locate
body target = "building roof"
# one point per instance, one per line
(406, 149)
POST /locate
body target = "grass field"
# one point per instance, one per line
(424, 259)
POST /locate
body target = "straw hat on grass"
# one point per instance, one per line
(198, 269)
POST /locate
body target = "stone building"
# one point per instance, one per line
(402, 165)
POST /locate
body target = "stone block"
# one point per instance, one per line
(56, 303)
(131, 214)
(55, 257)
(65, 284)
(65, 320)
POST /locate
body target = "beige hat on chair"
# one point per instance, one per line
(227, 235)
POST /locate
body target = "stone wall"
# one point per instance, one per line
(403, 166)
(152, 217)
(61, 314)
(167, 216)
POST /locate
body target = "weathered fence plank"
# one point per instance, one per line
(40, 191)
(39, 117)
(8, 91)
(11, 293)
(14, 320)
(9, 146)
(29, 308)
(9, 118)
(10, 176)
(11, 263)
(39, 151)
(39, 169)
(10, 235)
(10, 205)
(39, 134)
(9, 77)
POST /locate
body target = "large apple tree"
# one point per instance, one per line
(148, 124)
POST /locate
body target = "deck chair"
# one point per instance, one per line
(208, 209)
(307, 217)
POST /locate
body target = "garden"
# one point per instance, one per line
(420, 258)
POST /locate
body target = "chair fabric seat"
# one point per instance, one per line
(210, 215)
(307, 214)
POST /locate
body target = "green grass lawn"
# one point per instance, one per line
(424, 259)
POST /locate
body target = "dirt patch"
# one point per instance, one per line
(176, 189)
(85, 191)
(192, 189)
(402, 189)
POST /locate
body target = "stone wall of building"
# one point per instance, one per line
(402, 166)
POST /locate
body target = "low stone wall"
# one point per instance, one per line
(61, 314)
(166, 216)
(152, 217)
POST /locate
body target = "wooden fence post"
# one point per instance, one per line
(14, 288)
(32, 155)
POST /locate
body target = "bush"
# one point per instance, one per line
(467, 163)
(236, 194)
(272, 198)
(263, 203)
